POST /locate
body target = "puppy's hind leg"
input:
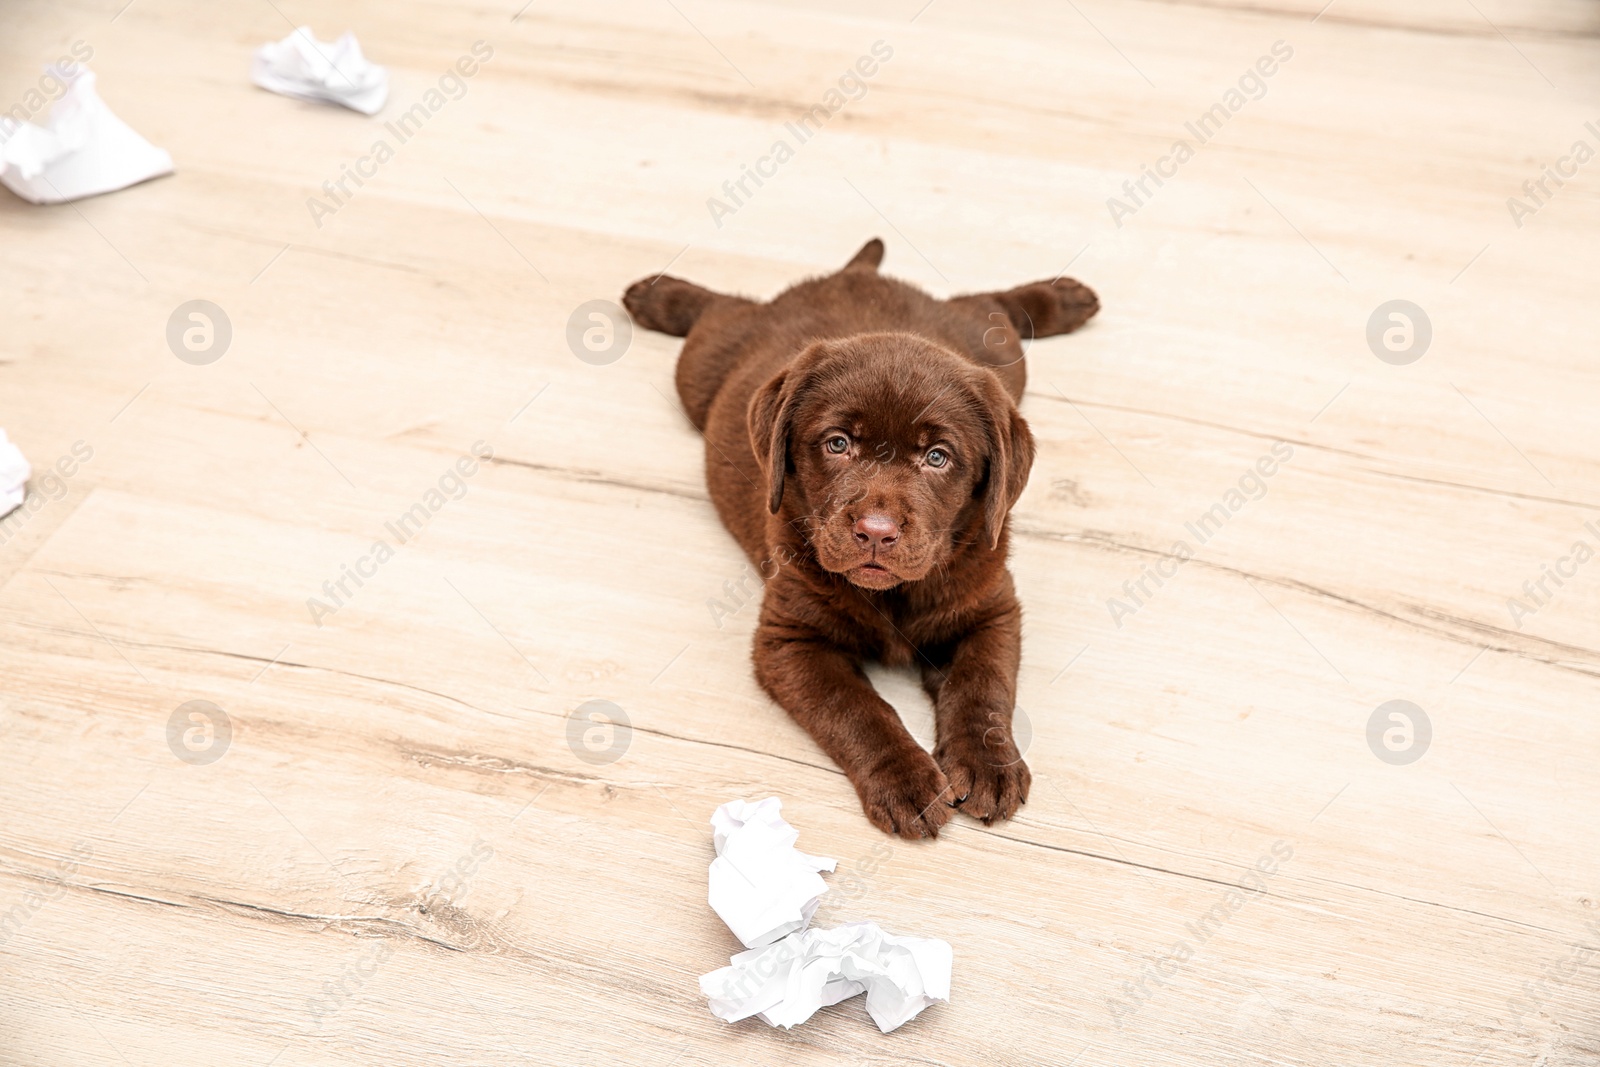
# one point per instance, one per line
(668, 305)
(1042, 309)
(1000, 324)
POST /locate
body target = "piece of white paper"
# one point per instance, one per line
(83, 150)
(14, 474)
(787, 982)
(332, 72)
(761, 885)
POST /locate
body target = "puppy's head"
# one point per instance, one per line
(891, 452)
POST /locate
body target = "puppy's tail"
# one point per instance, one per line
(868, 258)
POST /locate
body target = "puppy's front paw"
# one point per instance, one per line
(906, 794)
(986, 773)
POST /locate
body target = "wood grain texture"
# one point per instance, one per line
(293, 903)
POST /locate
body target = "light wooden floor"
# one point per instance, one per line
(292, 902)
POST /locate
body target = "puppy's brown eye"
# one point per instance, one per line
(838, 444)
(936, 457)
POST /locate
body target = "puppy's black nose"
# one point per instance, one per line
(877, 530)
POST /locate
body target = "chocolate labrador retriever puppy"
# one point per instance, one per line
(863, 445)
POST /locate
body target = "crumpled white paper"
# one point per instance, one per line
(786, 983)
(332, 72)
(14, 474)
(766, 891)
(761, 885)
(84, 150)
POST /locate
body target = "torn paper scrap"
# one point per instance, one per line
(14, 473)
(84, 150)
(332, 72)
(786, 983)
(761, 885)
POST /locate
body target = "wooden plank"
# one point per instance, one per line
(294, 902)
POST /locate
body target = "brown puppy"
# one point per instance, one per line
(863, 445)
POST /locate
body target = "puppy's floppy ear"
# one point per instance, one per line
(1011, 452)
(771, 416)
(770, 413)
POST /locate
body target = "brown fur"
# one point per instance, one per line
(876, 551)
